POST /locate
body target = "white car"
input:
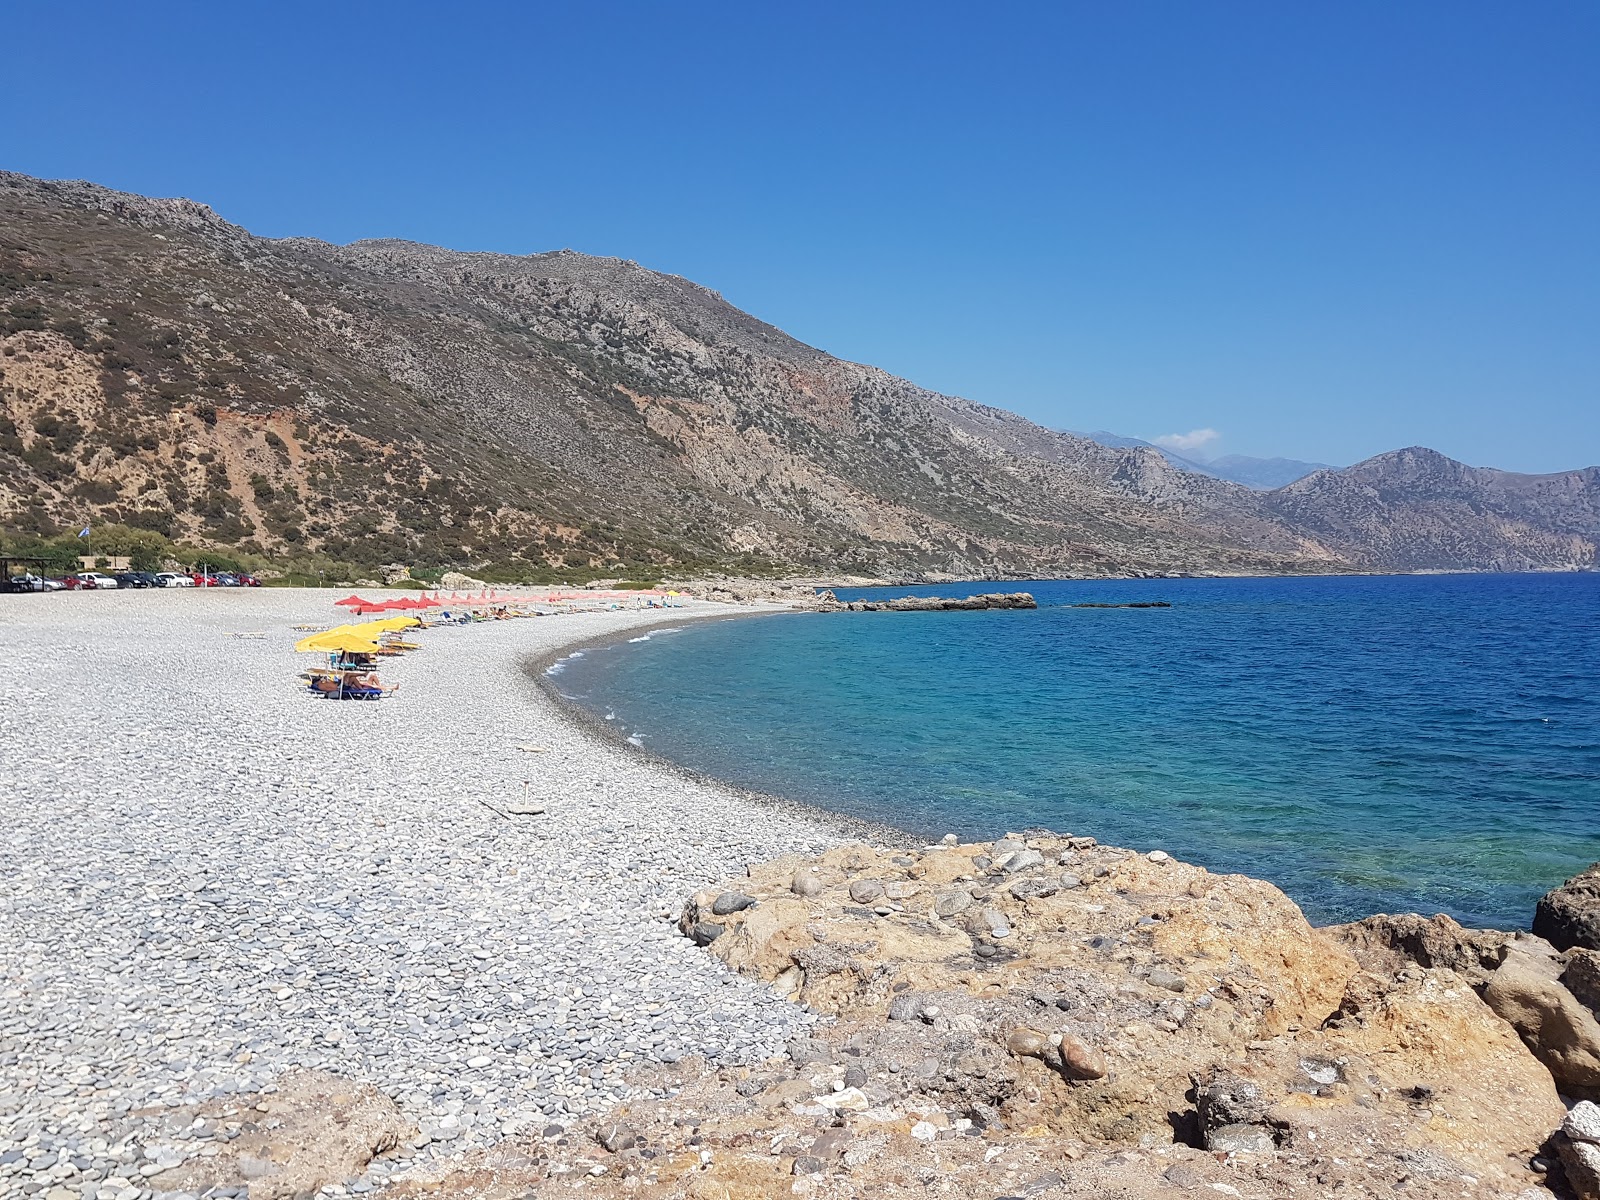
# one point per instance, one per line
(173, 579)
(102, 582)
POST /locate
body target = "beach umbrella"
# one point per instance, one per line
(346, 639)
(388, 624)
(351, 601)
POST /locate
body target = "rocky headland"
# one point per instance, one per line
(1046, 1016)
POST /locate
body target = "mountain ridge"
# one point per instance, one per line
(1261, 474)
(386, 400)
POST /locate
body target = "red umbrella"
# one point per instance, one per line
(364, 608)
(351, 601)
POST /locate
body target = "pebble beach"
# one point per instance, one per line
(210, 877)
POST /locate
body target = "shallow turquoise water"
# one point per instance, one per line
(1413, 743)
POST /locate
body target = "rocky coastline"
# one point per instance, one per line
(255, 948)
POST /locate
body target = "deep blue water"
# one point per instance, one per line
(1397, 743)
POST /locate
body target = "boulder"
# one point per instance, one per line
(731, 902)
(1581, 976)
(1569, 915)
(1527, 993)
(1386, 945)
(1581, 1161)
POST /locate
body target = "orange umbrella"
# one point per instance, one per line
(351, 601)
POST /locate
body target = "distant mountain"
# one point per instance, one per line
(1261, 474)
(386, 401)
(1417, 508)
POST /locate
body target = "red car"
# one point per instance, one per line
(205, 580)
(246, 580)
(79, 583)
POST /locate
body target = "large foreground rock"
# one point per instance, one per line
(1569, 915)
(1561, 1031)
(1551, 999)
(1046, 1017)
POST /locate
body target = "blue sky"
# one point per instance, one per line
(1321, 230)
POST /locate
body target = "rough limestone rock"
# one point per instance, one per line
(1581, 975)
(1569, 915)
(1154, 1004)
(1387, 944)
(1562, 1032)
(1579, 1148)
(315, 1129)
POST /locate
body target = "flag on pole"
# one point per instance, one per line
(84, 532)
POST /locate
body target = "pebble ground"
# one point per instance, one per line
(209, 877)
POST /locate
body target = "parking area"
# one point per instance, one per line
(99, 581)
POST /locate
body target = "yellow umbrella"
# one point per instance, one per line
(387, 624)
(346, 639)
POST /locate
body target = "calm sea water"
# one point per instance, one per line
(1397, 743)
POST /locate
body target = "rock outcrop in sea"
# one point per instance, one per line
(1569, 915)
(979, 603)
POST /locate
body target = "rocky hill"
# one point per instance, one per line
(382, 401)
(1417, 509)
(1259, 474)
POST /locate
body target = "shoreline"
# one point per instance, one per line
(845, 826)
(216, 886)
(343, 888)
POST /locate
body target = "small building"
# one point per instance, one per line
(114, 562)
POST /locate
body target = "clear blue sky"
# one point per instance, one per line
(1322, 230)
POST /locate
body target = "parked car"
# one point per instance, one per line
(247, 580)
(136, 579)
(82, 582)
(52, 585)
(26, 582)
(227, 579)
(200, 579)
(173, 579)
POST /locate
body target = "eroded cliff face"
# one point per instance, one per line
(1044, 1016)
(161, 367)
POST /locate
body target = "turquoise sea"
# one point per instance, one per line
(1370, 744)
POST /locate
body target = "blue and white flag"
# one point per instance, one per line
(84, 532)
